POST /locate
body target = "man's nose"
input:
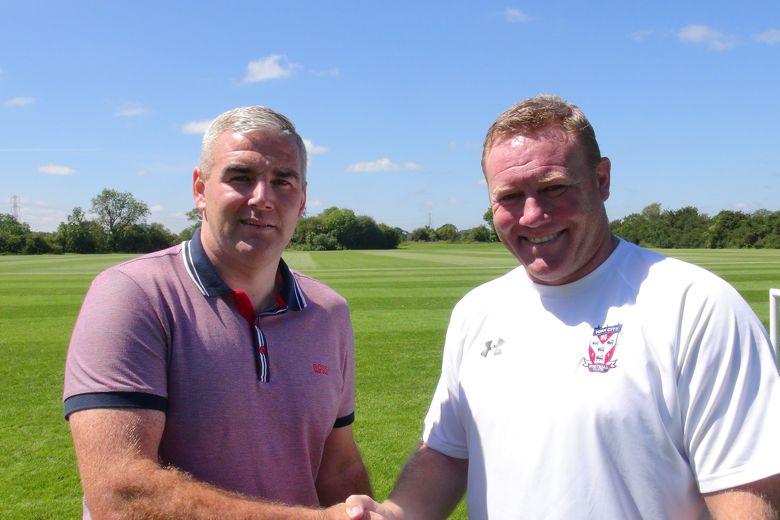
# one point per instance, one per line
(262, 194)
(534, 213)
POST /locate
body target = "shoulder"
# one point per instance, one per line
(144, 269)
(678, 290)
(142, 278)
(151, 264)
(510, 287)
(318, 292)
(655, 272)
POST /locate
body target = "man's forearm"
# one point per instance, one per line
(145, 490)
(351, 481)
(759, 500)
(430, 486)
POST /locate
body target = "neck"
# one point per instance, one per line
(257, 279)
(259, 284)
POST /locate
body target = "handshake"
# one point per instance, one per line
(363, 507)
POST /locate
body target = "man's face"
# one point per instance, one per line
(548, 205)
(252, 197)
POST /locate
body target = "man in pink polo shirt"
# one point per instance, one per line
(208, 380)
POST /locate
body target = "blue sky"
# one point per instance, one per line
(393, 98)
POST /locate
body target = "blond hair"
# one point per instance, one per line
(536, 114)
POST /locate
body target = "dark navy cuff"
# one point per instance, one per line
(344, 421)
(78, 402)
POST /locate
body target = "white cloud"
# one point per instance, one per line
(453, 201)
(55, 169)
(130, 111)
(141, 173)
(314, 203)
(314, 149)
(268, 68)
(156, 208)
(705, 35)
(19, 101)
(381, 165)
(515, 15)
(770, 36)
(196, 127)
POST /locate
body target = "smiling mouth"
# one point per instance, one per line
(256, 224)
(542, 240)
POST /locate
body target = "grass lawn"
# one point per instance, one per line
(400, 302)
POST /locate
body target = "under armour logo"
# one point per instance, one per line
(495, 346)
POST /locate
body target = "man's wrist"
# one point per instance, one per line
(396, 510)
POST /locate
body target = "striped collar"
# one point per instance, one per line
(207, 279)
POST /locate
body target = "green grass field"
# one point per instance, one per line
(400, 302)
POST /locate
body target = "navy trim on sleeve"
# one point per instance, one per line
(344, 421)
(78, 402)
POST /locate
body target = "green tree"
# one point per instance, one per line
(343, 225)
(477, 234)
(685, 228)
(725, 229)
(80, 235)
(446, 232)
(337, 228)
(116, 210)
(195, 217)
(38, 243)
(13, 234)
(423, 234)
(145, 238)
(391, 236)
(488, 218)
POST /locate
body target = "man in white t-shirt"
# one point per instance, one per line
(599, 379)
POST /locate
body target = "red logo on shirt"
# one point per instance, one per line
(602, 349)
(320, 369)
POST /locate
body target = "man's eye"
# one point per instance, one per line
(239, 178)
(281, 182)
(509, 197)
(554, 191)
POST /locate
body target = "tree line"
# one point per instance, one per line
(688, 228)
(116, 223)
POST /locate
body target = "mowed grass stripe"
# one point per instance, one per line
(400, 303)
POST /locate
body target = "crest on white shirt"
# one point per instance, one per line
(601, 351)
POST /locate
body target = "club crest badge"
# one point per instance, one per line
(601, 351)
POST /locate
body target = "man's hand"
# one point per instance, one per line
(363, 507)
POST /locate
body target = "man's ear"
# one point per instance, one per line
(199, 190)
(603, 171)
(302, 209)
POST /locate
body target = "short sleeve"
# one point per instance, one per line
(118, 347)
(346, 409)
(443, 428)
(729, 390)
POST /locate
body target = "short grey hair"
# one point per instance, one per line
(245, 120)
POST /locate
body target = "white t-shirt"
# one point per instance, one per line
(625, 394)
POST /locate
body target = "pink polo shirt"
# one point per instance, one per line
(163, 331)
